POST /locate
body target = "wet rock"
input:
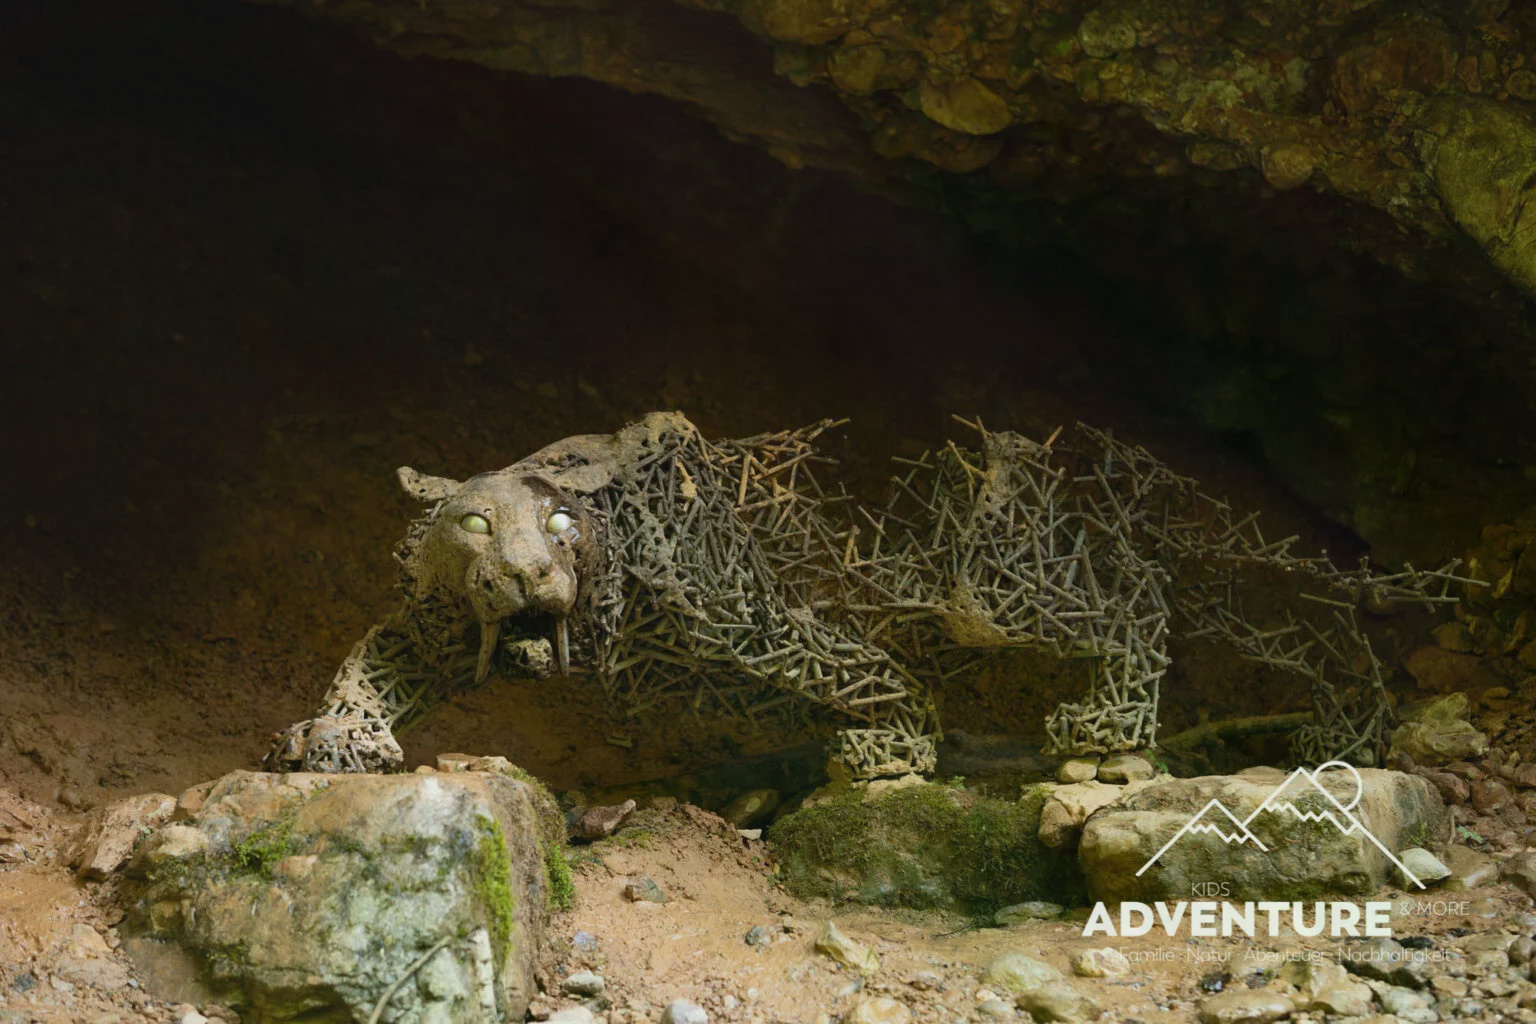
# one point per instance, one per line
(1078, 769)
(880, 1010)
(1119, 840)
(1119, 769)
(1057, 1001)
(1033, 910)
(1015, 974)
(1100, 963)
(681, 1011)
(1238, 1006)
(751, 808)
(316, 892)
(831, 942)
(1423, 865)
(644, 890)
(600, 822)
(1437, 730)
(1469, 869)
(109, 836)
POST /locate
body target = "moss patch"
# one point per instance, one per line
(925, 846)
(557, 873)
(263, 848)
(493, 882)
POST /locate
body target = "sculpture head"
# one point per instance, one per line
(519, 545)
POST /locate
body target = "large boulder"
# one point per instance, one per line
(314, 897)
(1284, 855)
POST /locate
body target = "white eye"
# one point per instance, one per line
(475, 524)
(558, 523)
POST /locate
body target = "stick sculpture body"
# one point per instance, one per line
(684, 570)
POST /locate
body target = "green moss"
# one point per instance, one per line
(493, 881)
(924, 846)
(263, 848)
(557, 872)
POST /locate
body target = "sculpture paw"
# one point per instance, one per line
(335, 743)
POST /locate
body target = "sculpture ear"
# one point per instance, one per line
(424, 487)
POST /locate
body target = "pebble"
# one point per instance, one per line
(186, 1013)
(1077, 769)
(1122, 768)
(757, 935)
(644, 890)
(880, 1010)
(1058, 1001)
(600, 822)
(572, 1015)
(1236, 1006)
(833, 943)
(1033, 910)
(681, 1011)
(584, 983)
(1423, 865)
(996, 1009)
(1100, 963)
(1015, 973)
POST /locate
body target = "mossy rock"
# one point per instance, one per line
(928, 846)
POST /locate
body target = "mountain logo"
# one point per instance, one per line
(1286, 800)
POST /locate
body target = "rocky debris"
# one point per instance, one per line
(1031, 910)
(1118, 769)
(1520, 871)
(1016, 973)
(1423, 865)
(1078, 769)
(110, 834)
(583, 983)
(1100, 963)
(572, 1015)
(1320, 858)
(644, 890)
(1437, 731)
(313, 895)
(880, 1010)
(1387, 960)
(681, 1011)
(1236, 1006)
(831, 942)
(600, 822)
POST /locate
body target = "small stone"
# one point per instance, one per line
(1469, 869)
(1057, 1001)
(600, 822)
(1015, 973)
(583, 983)
(1423, 865)
(996, 1009)
(1236, 1006)
(964, 105)
(1445, 985)
(681, 1011)
(1520, 871)
(1100, 963)
(1346, 999)
(1077, 769)
(1032, 910)
(1287, 167)
(757, 935)
(880, 1010)
(1119, 769)
(644, 890)
(1452, 788)
(833, 943)
(926, 981)
(1490, 796)
(187, 1014)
